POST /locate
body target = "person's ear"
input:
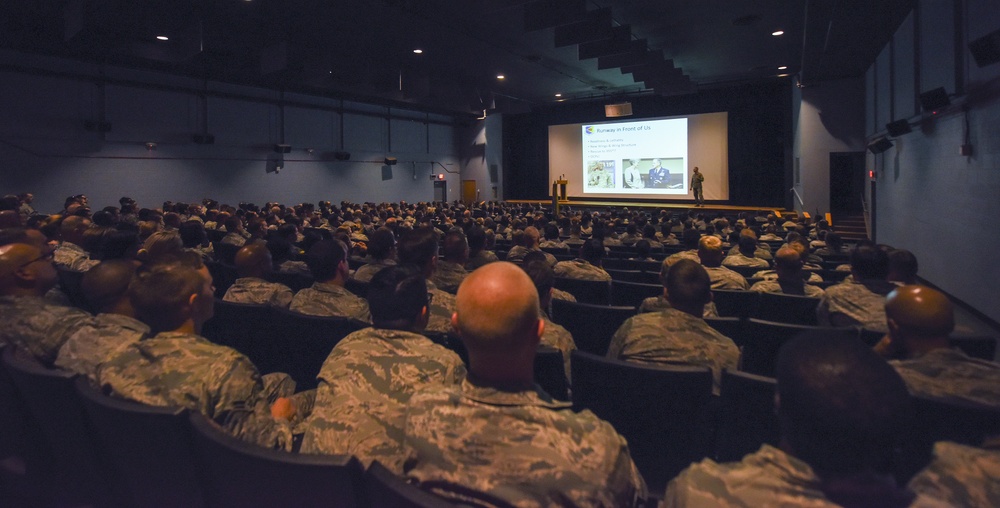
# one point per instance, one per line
(454, 321)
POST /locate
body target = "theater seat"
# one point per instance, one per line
(632, 293)
(936, 420)
(550, 372)
(782, 308)
(734, 302)
(747, 415)
(763, 339)
(585, 291)
(302, 342)
(592, 326)
(384, 488)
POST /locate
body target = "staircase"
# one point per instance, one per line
(850, 227)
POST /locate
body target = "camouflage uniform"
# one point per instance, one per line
(858, 302)
(552, 244)
(739, 259)
(294, 267)
(91, 345)
(559, 338)
(724, 278)
(658, 303)
(325, 299)
(234, 238)
(441, 308)
(581, 270)
(950, 375)
(773, 275)
(186, 370)
(516, 253)
(483, 257)
(448, 276)
(364, 386)
(38, 326)
(961, 476)
(558, 294)
(365, 272)
(687, 254)
(259, 291)
(672, 337)
(518, 446)
(773, 286)
(72, 257)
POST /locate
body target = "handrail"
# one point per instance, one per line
(798, 197)
(867, 215)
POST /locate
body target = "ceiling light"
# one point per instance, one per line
(501, 76)
(783, 67)
(778, 32)
(418, 51)
(162, 38)
(558, 95)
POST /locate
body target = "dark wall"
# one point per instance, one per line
(760, 137)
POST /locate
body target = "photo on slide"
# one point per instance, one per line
(601, 174)
(661, 173)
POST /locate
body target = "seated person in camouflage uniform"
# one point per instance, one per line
(27, 319)
(745, 255)
(919, 320)
(370, 374)
(710, 254)
(327, 262)
(557, 294)
(552, 238)
(555, 336)
(178, 367)
(690, 239)
(70, 255)
(661, 302)
(253, 264)
(450, 270)
(799, 246)
(105, 288)
(961, 475)
(236, 234)
(678, 335)
(419, 247)
(791, 278)
(861, 301)
(381, 253)
(529, 243)
(840, 408)
(479, 255)
(498, 433)
(587, 266)
(902, 267)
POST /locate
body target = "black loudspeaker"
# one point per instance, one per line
(986, 49)
(386, 173)
(934, 99)
(281, 148)
(494, 173)
(203, 139)
(342, 156)
(898, 128)
(390, 161)
(879, 145)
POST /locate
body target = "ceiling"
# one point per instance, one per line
(584, 50)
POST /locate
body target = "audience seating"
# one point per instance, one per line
(241, 326)
(149, 446)
(69, 282)
(294, 280)
(632, 293)
(792, 309)
(357, 287)
(81, 470)
(301, 342)
(239, 474)
(592, 326)
(763, 339)
(556, 251)
(386, 489)
(660, 411)
(747, 271)
(585, 291)
(630, 276)
(550, 372)
(831, 275)
(735, 302)
(936, 420)
(729, 326)
(355, 263)
(21, 441)
(747, 416)
(215, 235)
(223, 276)
(225, 252)
(984, 348)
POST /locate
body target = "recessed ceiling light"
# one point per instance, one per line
(558, 95)
(162, 38)
(783, 67)
(501, 76)
(783, 75)
(778, 32)
(418, 51)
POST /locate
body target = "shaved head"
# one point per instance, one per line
(253, 260)
(26, 270)
(496, 309)
(919, 311)
(106, 285)
(12, 256)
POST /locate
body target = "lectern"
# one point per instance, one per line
(558, 194)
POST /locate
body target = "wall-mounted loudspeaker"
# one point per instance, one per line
(282, 148)
(342, 156)
(879, 145)
(617, 110)
(934, 99)
(898, 128)
(386, 173)
(986, 49)
(494, 173)
(390, 161)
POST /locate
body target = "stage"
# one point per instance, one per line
(676, 207)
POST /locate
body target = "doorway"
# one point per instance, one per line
(847, 182)
(440, 190)
(470, 189)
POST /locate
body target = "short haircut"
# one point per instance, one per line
(380, 243)
(870, 261)
(592, 250)
(106, 283)
(642, 248)
(455, 244)
(192, 233)
(840, 405)
(690, 238)
(476, 237)
(396, 294)
(688, 283)
(903, 263)
(160, 293)
(748, 244)
(417, 246)
(541, 275)
(324, 257)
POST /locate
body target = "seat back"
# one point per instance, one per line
(550, 372)
(633, 276)
(659, 410)
(244, 327)
(984, 348)
(632, 294)
(294, 280)
(734, 302)
(82, 470)
(592, 326)
(303, 342)
(763, 339)
(585, 291)
(223, 276)
(386, 489)
(747, 417)
(149, 446)
(729, 326)
(70, 282)
(782, 308)
(236, 473)
(747, 271)
(938, 420)
(225, 252)
(357, 287)
(20, 438)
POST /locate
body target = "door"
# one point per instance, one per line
(470, 189)
(847, 181)
(440, 190)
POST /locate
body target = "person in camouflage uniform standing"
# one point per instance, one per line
(497, 433)
(105, 288)
(369, 376)
(678, 335)
(587, 266)
(253, 264)
(840, 408)
(177, 367)
(27, 320)
(919, 320)
(697, 181)
(327, 262)
(419, 247)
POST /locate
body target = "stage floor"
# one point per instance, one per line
(641, 204)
